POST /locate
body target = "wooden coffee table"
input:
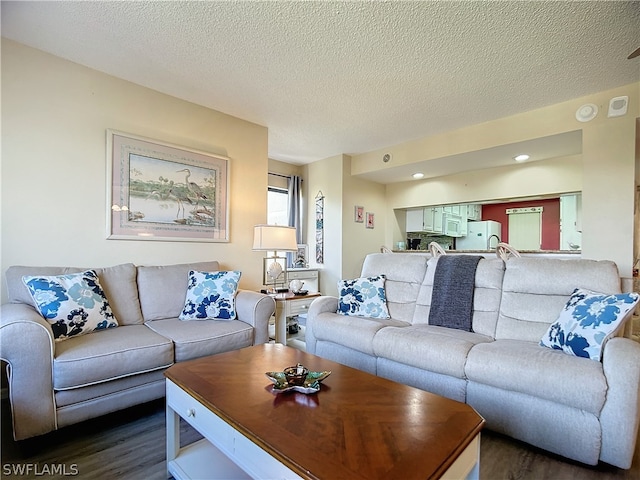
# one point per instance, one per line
(357, 426)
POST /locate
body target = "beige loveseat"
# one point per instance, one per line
(583, 409)
(57, 383)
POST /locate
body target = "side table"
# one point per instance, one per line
(287, 305)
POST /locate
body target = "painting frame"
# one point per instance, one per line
(358, 214)
(370, 220)
(320, 227)
(302, 256)
(165, 192)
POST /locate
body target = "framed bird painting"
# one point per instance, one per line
(159, 191)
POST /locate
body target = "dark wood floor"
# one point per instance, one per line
(131, 445)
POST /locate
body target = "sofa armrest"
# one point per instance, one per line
(27, 345)
(323, 304)
(255, 309)
(620, 414)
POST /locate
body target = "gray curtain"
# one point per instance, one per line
(295, 212)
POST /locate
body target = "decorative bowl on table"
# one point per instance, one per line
(310, 384)
(296, 375)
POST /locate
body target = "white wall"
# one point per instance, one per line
(54, 117)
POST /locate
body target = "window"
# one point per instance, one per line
(277, 206)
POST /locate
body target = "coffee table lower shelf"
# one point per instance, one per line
(196, 459)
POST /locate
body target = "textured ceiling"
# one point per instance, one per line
(346, 77)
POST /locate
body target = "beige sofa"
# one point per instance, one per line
(579, 408)
(54, 384)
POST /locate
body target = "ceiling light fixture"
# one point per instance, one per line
(418, 175)
(521, 158)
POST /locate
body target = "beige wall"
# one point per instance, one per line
(607, 170)
(54, 117)
(346, 242)
(357, 240)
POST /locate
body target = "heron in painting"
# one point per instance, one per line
(169, 192)
(180, 200)
(193, 187)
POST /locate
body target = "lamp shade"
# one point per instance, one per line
(274, 238)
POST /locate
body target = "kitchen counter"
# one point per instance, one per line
(554, 252)
(569, 254)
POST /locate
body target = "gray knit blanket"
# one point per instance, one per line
(452, 297)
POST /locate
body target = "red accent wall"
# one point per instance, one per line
(550, 219)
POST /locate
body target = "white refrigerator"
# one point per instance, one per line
(480, 236)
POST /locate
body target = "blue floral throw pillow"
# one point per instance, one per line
(363, 297)
(73, 304)
(587, 321)
(211, 295)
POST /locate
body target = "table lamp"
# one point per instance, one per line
(274, 238)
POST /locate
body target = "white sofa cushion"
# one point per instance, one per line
(202, 338)
(486, 295)
(109, 354)
(120, 287)
(535, 290)
(526, 367)
(162, 288)
(435, 349)
(350, 331)
(404, 274)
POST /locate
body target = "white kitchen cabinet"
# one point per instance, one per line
(438, 220)
(474, 212)
(415, 220)
(429, 219)
(463, 220)
(453, 209)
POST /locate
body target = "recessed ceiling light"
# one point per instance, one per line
(418, 175)
(521, 158)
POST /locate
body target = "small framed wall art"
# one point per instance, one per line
(358, 214)
(369, 220)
